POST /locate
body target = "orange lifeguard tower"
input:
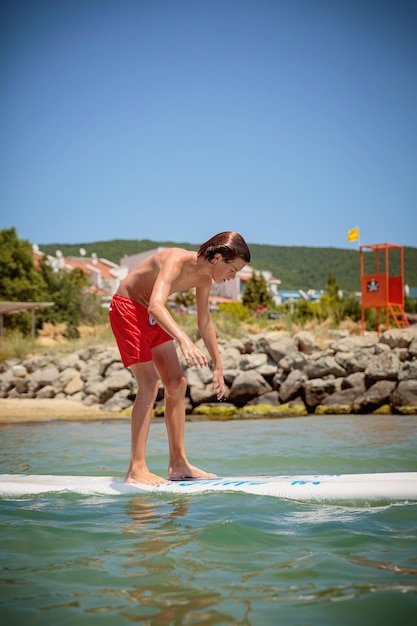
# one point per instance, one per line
(379, 289)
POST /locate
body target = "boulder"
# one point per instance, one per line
(327, 366)
(291, 386)
(385, 366)
(316, 390)
(44, 376)
(247, 385)
(398, 337)
(305, 343)
(293, 361)
(377, 395)
(354, 381)
(200, 394)
(231, 359)
(353, 361)
(408, 371)
(405, 394)
(253, 361)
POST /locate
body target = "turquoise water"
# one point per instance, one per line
(211, 559)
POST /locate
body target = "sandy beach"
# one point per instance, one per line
(13, 410)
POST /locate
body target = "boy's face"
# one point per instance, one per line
(226, 270)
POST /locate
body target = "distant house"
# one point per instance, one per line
(411, 292)
(104, 276)
(233, 289)
(297, 295)
(292, 295)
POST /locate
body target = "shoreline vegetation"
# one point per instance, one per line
(51, 340)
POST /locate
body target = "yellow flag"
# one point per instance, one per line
(353, 234)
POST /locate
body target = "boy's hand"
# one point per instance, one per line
(218, 384)
(193, 356)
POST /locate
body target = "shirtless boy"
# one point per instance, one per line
(144, 330)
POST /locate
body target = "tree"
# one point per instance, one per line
(256, 293)
(332, 287)
(66, 289)
(19, 279)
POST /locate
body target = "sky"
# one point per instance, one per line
(289, 121)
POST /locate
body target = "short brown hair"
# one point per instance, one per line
(229, 244)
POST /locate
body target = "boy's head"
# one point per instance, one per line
(229, 244)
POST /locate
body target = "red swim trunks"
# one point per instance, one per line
(136, 332)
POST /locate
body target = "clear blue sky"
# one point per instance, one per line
(290, 121)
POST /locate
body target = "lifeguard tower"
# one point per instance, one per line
(379, 289)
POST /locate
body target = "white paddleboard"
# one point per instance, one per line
(381, 487)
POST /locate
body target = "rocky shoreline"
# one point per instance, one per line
(270, 374)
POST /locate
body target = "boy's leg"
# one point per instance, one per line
(168, 366)
(147, 381)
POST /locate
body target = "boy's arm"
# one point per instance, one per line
(208, 335)
(157, 309)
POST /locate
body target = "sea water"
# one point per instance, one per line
(209, 559)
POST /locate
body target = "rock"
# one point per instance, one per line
(7, 383)
(412, 350)
(353, 361)
(354, 381)
(397, 337)
(278, 379)
(316, 390)
(326, 366)
(305, 343)
(100, 390)
(253, 361)
(118, 402)
(113, 368)
(121, 379)
(352, 343)
(291, 386)
(46, 392)
(198, 375)
(22, 385)
(246, 386)
(279, 349)
(75, 385)
(44, 376)
(408, 371)
(405, 394)
(19, 371)
(267, 369)
(275, 346)
(270, 398)
(231, 359)
(293, 361)
(385, 366)
(72, 361)
(200, 394)
(346, 397)
(377, 395)
(229, 376)
(65, 377)
(37, 363)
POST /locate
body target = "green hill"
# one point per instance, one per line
(297, 267)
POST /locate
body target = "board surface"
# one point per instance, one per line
(384, 487)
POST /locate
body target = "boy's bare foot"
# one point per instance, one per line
(187, 471)
(144, 477)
